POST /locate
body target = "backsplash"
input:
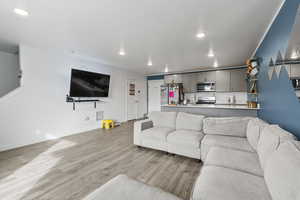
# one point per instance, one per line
(240, 97)
(221, 98)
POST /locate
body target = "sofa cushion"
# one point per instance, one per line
(163, 119)
(185, 137)
(254, 128)
(239, 160)
(158, 133)
(237, 143)
(232, 126)
(282, 172)
(269, 141)
(218, 183)
(124, 188)
(189, 121)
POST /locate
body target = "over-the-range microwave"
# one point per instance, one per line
(296, 83)
(206, 87)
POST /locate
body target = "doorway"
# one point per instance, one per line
(154, 98)
(132, 100)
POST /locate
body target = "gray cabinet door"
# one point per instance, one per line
(223, 81)
(193, 82)
(189, 82)
(238, 81)
(186, 81)
(200, 77)
(295, 70)
(209, 76)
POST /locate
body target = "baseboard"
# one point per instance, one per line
(19, 145)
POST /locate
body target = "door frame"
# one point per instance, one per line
(127, 95)
(155, 80)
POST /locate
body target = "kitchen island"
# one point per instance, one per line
(213, 110)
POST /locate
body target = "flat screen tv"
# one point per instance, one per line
(89, 84)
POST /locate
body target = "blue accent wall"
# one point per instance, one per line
(277, 97)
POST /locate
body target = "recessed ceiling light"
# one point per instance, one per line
(216, 64)
(294, 55)
(200, 35)
(166, 69)
(122, 52)
(21, 12)
(211, 54)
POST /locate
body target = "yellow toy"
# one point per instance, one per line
(107, 124)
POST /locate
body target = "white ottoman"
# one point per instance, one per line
(124, 188)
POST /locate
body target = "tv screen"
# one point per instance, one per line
(89, 84)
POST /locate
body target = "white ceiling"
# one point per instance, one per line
(162, 29)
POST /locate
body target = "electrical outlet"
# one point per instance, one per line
(99, 115)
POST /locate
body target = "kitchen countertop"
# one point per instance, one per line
(215, 106)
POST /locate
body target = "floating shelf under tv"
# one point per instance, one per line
(74, 100)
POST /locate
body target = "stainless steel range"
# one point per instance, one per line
(206, 100)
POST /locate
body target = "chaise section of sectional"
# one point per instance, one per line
(243, 161)
(216, 183)
(234, 174)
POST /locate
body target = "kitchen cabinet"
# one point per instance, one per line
(209, 76)
(223, 81)
(193, 82)
(176, 78)
(189, 82)
(295, 70)
(238, 81)
(186, 82)
(226, 80)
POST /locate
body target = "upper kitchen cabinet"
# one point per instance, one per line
(186, 81)
(209, 76)
(175, 78)
(295, 71)
(193, 81)
(223, 81)
(238, 81)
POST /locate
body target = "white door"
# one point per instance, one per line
(132, 100)
(154, 95)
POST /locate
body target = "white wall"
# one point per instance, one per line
(37, 111)
(9, 69)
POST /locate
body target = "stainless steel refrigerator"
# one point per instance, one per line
(171, 94)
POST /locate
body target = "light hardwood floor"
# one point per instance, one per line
(72, 167)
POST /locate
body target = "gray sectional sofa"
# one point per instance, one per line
(243, 158)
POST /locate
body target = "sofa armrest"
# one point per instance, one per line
(139, 126)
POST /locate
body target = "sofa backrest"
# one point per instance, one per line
(282, 172)
(270, 139)
(254, 128)
(231, 126)
(189, 121)
(163, 119)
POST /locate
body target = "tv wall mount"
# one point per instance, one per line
(78, 100)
